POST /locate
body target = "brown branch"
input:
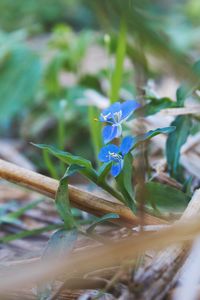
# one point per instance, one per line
(81, 199)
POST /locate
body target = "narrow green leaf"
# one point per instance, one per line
(164, 197)
(150, 134)
(154, 105)
(103, 171)
(87, 169)
(105, 218)
(95, 130)
(128, 173)
(12, 217)
(187, 186)
(62, 197)
(127, 199)
(187, 88)
(175, 141)
(120, 57)
(182, 93)
(124, 182)
(70, 159)
(67, 157)
(72, 169)
(27, 233)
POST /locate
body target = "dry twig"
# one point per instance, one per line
(79, 198)
(153, 281)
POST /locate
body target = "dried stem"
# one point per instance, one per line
(154, 280)
(81, 199)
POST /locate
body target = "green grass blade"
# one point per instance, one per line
(27, 233)
(119, 63)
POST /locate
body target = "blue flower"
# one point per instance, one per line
(115, 154)
(115, 115)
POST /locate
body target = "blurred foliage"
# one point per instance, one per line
(43, 91)
(20, 73)
(160, 28)
(45, 13)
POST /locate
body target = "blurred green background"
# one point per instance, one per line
(57, 58)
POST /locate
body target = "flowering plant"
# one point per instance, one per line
(117, 157)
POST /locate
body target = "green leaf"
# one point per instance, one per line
(150, 134)
(164, 197)
(154, 105)
(175, 141)
(60, 243)
(13, 216)
(70, 159)
(127, 199)
(62, 197)
(87, 169)
(116, 79)
(103, 171)
(95, 130)
(66, 157)
(19, 79)
(187, 186)
(128, 172)
(187, 88)
(124, 182)
(28, 233)
(182, 93)
(105, 218)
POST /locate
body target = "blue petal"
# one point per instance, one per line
(126, 145)
(128, 107)
(109, 132)
(116, 168)
(104, 153)
(107, 114)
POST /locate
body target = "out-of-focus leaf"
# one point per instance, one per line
(154, 105)
(105, 218)
(187, 186)
(117, 75)
(28, 233)
(13, 216)
(164, 197)
(90, 81)
(19, 78)
(175, 141)
(60, 243)
(145, 25)
(187, 88)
